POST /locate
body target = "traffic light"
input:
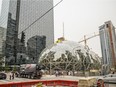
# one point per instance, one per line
(21, 57)
(22, 37)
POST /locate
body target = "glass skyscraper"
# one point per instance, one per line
(18, 15)
(31, 10)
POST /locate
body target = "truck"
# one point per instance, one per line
(30, 71)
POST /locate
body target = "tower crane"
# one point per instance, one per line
(85, 39)
(111, 42)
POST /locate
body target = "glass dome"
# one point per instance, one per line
(69, 55)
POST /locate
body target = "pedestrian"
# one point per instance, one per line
(62, 73)
(113, 72)
(69, 73)
(10, 75)
(56, 73)
(16, 74)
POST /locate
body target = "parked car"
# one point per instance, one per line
(109, 78)
(2, 76)
(110, 75)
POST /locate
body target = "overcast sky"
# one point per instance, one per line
(83, 17)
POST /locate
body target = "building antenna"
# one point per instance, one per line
(63, 29)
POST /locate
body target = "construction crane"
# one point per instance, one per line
(85, 39)
(111, 42)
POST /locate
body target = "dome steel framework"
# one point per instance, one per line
(69, 56)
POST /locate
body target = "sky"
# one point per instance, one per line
(82, 17)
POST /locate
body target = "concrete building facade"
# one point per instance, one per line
(108, 44)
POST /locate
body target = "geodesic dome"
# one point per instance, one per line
(69, 55)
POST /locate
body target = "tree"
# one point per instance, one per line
(7, 68)
(14, 68)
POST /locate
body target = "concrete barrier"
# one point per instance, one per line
(43, 82)
(87, 82)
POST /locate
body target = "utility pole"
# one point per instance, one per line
(36, 51)
(16, 31)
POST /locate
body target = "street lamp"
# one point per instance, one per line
(50, 66)
(36, 49)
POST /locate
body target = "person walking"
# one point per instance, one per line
(56, 73)
(10, 76)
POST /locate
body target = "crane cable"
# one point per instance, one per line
(40, 17)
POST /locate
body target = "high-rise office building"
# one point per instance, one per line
(108, 44)
(2, 31)
(18, 15)
(35, 46)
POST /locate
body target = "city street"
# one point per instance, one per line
(45, 77)
(52, 77)
(57, 43)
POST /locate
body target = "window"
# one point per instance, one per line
(107, 25)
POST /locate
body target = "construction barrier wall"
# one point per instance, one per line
(40, 82)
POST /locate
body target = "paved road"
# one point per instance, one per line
(47, 77)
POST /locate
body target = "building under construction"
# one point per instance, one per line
(108, 44)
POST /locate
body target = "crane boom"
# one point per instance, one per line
(85, 39)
